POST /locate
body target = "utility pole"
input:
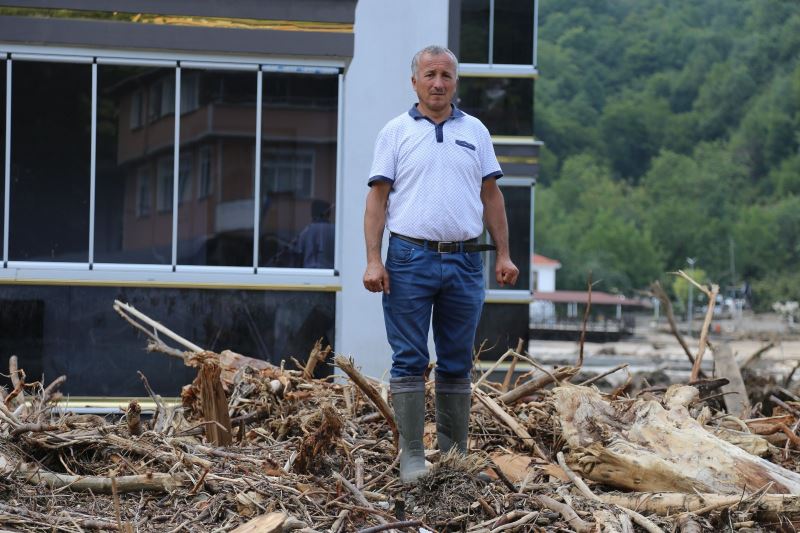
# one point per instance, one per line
(691, 261)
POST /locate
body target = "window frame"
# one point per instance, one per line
(502, 69)
(172, 274)
(511, 295)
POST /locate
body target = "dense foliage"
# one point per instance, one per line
(671, 130)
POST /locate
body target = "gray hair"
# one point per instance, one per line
(434, 50)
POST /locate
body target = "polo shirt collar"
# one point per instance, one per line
(416, 115)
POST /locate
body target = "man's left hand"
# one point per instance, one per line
(505, 271)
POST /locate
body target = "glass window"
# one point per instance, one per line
(513, 32)
(73, 331)
(133, 211)
(298, 174)
(51, 124)
(2, 143)
(518, 212)
(143, 194)
(474, 38)
(137, 99)
(185, 178)
(205, 184)
(165, 182)
(219, 135)
(504, 105)
(189, 91)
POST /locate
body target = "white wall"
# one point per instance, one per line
(377, 88)
(546, 279)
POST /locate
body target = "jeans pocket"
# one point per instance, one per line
(473, 261)
(399, 254)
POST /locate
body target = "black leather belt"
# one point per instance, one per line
(448, 247)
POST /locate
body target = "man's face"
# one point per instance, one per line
(435, 83)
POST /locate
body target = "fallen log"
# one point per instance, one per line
(668, 503)
(639, 445)
(96, 484)
(534, 385)
(736, 400)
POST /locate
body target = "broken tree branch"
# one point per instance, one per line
(659, 293)
(125, 309)
(377, 400)
(711, 294)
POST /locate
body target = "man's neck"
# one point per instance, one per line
(437, 117)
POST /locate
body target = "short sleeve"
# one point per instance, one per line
(490, 168)
(383, 159)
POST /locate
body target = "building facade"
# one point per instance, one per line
(208, 165)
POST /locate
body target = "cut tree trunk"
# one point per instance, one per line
(214, 403)
(640, 445)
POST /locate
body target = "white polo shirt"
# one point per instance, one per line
(436, 172)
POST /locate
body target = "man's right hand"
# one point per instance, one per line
(376, 278)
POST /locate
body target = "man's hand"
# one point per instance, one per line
(376, 278)
(505, 271)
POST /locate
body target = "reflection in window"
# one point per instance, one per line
(504, 105)
(189, 92)
(161, 101)
(137, 102)
(298, 170)
(50, 174)
(204, 186)
(185, 178)
(474, 40)
(289, 172)
(215, 227)
(165, 184)
(59, 330)
(518, 211)
(133, 210)
(143, 194)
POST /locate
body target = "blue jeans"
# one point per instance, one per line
(448, 285)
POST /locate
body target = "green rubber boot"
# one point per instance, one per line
(408, 399)
(453, 402)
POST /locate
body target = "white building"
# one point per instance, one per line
(240, 223)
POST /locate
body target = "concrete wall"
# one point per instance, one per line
(377, 88)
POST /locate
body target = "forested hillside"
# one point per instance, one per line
(671, 130)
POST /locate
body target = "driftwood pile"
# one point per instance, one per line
(254, 447)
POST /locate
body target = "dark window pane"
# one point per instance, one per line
(73, 331)
(501, 327)
(474, 38)
(513, 32)
(505, 105)
(217, 167)
(2, 145)
(133, 217)
(518, 212)
(298, 170)
(51, 125)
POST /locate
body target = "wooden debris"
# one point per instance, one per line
(641, 445)
(312, 455)
(725, 365)
(214, 404)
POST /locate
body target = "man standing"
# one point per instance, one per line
(433, 185)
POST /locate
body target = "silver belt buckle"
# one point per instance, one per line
(439, 246)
